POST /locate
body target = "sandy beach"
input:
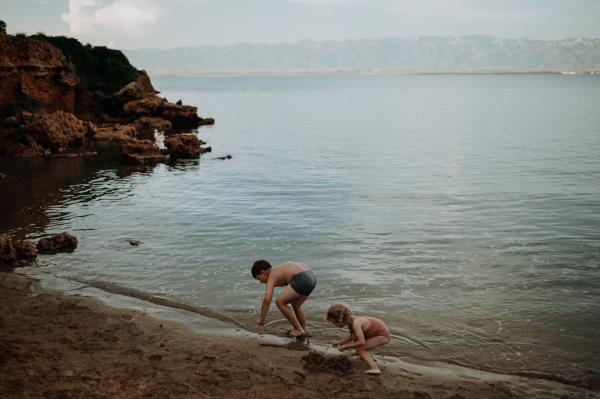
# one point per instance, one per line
(57, 344)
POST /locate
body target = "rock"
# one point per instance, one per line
(19, 150)
(12, 119)
(181, 114)
(7, 250)
(147, 123)
(179, 102)
(57, 241)
(208, 149)
(2, 176)
(147, 106)
(20, 263)
(134, 91)
(184, 146)
(60, 129)
(140, 152)
(113, 133)
(135, 243)
(25, 249)
(207, 121)
(36, 70)
(227, 157)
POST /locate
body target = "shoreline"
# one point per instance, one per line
(196, 73)
(66, 339)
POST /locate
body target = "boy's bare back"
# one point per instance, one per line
(284, 273)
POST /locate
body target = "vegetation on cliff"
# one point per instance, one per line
(99, 68)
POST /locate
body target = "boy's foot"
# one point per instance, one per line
(296, 333)
(372, 371)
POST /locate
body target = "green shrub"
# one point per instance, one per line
(2, 27)
(98, 68)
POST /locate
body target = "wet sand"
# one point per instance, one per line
(55, 344)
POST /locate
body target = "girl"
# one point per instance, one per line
(366, 332)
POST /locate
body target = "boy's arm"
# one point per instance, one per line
(266, 303)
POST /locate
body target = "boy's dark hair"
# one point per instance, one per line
(259, 266)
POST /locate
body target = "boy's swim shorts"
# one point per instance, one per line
(304, 282)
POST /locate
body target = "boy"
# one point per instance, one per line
(302, 282)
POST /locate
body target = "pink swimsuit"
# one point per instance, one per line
(376, 329)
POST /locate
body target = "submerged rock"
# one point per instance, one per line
(184, 146)
(135, 243)
(57, 241)
(140, 152)
(25, 249)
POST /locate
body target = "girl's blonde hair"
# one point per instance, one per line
(338, 312)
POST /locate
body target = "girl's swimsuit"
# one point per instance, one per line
(376, 329)
(304, 282)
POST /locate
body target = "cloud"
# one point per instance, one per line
(107, 20)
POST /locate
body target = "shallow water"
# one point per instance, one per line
(463, 211)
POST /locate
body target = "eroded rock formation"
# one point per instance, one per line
(57, 130)
(36, 70)
(184, 146)
(57, 241)
(12, 250)
(140, 152)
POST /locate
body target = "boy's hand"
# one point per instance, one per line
(260, 323)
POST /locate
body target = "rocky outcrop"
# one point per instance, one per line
(107, 135)
(134, 91)
(57, 241)
(149, 123)
(181, 114)
(20, 150)
(25, 249)
(36, 70)
(57, 130)
(12, 250)
(184, 146)
(140, 152)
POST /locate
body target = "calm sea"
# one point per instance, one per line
(462, 210)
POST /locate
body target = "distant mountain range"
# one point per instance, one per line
(420, 53)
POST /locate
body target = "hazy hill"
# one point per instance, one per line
(417, 53)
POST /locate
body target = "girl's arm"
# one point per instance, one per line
(342, 341)
(360, 336)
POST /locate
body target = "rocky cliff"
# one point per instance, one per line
(29, 68)
(37, 78)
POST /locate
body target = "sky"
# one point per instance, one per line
(135, 24)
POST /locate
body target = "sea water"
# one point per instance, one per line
(462, 210)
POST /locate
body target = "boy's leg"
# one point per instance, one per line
(371, 343)
(299, 312)
(287, 296)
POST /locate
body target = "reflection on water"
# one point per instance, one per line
(461, 210)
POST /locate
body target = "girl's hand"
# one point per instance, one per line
(341, 348)
(335, 344)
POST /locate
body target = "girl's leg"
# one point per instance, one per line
(371, 343)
